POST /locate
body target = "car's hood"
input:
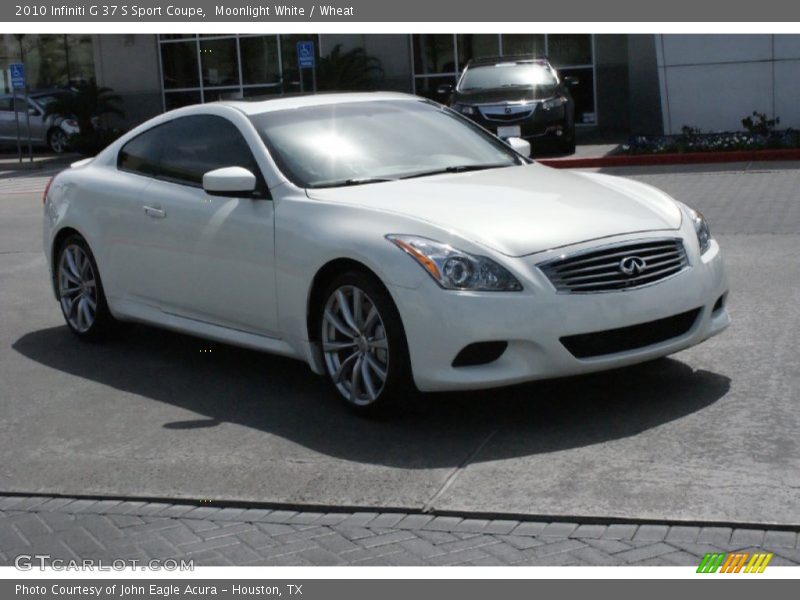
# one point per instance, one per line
(507, 94)
(519, 210)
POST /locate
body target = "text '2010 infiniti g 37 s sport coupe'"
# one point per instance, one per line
(388, 241)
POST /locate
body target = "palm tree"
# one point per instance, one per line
(85, 105)
(351, 70)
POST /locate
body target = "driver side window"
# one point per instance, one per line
(182, 150)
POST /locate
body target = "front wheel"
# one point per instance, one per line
(364, 345)
(57, 140)
(80, 291)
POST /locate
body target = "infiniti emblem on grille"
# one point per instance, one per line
(632, 265)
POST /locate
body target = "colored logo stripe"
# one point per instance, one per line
(734, 562)
(758, 563)
(711, 563)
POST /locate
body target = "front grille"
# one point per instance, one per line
(617, 268)
(611, 341)
(507, 113)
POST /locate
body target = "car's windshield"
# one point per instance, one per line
(363, 142)
(507, 75)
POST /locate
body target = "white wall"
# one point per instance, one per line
(714, 81)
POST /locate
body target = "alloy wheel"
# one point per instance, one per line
(58, 141)
(77, 288)
(355, 345)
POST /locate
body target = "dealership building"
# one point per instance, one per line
(639, 84)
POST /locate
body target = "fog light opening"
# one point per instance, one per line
(719, 304)
(479, 353)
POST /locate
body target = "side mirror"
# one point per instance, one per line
(229, 181)
(33, 112)
(445, 89)
(570, 81)
(519, 145)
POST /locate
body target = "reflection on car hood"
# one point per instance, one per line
(519, 210)
(507, 94)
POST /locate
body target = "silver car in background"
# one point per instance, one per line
(50, 131)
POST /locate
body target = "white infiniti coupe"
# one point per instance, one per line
(384, 239)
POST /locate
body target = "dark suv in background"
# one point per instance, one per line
(518, 96)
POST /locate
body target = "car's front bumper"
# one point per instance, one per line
(540, 124)
(440, 323)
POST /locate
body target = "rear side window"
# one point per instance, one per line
(142, 153)
(182, 150)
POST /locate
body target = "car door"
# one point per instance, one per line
(208, 258)
(38, 124)
(8, 126)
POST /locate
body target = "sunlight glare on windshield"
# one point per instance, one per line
(332, 145)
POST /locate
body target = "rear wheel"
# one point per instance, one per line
(364, 345)
(80, 291)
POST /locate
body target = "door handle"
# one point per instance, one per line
(152, 211)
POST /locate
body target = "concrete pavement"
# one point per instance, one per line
(708, 435)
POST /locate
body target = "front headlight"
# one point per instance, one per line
(464, 109)
(554, 102)
(456, 270)
(700, 228)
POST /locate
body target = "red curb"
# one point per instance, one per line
(690, 158)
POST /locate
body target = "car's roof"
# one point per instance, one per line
(254, 107)
(511, 58)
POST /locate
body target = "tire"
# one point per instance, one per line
(57, 140)
(80, 291)
(364, 349)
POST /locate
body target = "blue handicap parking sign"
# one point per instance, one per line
(17, 72)
(305, 55)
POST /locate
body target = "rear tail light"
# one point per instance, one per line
(47, 189)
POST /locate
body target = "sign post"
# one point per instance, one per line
(17, 76)
(306, 60)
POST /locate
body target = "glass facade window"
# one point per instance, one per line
(440, 58)
(51, 61)
(566, 50)
(524, 43)
(229, 93)
(209, 67)
(179, 65)
(219, 60)
(476, 45)
(434, 53)
(178, 99)
(260, 60)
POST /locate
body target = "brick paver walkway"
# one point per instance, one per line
(72, 529)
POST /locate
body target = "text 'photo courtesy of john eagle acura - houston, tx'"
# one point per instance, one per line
(392, 243)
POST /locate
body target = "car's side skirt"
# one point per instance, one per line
(127, 310)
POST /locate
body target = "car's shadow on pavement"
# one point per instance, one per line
(282, 397)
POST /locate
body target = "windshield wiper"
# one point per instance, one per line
(458, 169)
(351, 181)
